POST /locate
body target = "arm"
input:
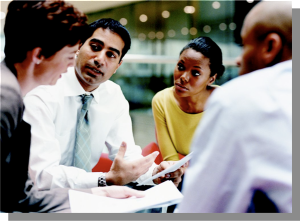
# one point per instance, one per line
(128, 163)
(45, 156)
(57, 200)
(165, 143)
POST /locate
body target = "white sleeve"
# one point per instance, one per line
(120, 131)
(45, 153)
(218, 165)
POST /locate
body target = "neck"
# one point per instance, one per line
(193, 104)
(25, 76)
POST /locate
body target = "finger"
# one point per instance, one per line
(122, 150)
(175, 174)
(131, 192)
(176, 181)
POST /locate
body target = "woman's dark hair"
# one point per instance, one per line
(209, 49)
(50, 25)
(115, 27)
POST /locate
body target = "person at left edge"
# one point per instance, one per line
(52, 111)
(51, 32)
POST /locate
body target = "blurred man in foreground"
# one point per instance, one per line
(243, 147)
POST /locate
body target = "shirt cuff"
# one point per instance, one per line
(147, 175)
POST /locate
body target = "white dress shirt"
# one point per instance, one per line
(242, 144)
(52, 112)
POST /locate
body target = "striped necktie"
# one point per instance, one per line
(82, 155)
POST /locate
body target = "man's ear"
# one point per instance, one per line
(272, 47)
(119, 65)
(37, 56)
(77, 52)
(212, 79)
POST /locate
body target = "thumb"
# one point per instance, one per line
(122, 150)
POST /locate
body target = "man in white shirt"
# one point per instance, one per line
(243, 146)
(53, 110)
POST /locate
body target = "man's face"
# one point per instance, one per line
(98, 58)
(250, 59)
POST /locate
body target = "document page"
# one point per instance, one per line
(164, 194)
(170, 169)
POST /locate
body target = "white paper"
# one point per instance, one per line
(169, 169)
(160, 195)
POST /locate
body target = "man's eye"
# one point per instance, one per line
(95, 47)
(111, 55)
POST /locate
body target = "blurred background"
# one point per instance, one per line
(159, 30)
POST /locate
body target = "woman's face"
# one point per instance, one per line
(50, 69)
(192, 73)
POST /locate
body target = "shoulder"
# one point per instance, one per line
(111, 90)
(44, 93)
(252, 92)
(10, 90)
(8, 79)
(11, 101)
(163, 95)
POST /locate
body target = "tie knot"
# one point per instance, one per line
(86, 101)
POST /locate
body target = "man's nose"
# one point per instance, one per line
(99, 59)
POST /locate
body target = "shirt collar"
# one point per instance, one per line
(72, 87)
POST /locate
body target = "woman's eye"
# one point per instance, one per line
(180, 67)
(195, 73)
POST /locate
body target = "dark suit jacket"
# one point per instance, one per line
(18, 193)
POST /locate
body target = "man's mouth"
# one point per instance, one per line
(95, 71)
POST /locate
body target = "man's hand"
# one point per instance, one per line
(118, 192)
(174, 176)
(123, 172)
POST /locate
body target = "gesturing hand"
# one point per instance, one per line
(123, 172)
(174, 176)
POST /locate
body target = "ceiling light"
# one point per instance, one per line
(189, 9)
(223, 26)
(193, 31)
(206, 28)
(123, 21)
(165, 14)
(151, 35)
(232, 26)
(184, 31)
(143, 18)
(141, 36)
(160, 35)
(171, 33)
(216, 5)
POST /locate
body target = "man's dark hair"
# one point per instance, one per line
(115, 27)
(50, 25)
(209, 49)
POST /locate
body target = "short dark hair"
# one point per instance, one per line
(115, 27)
(50, 25)
(209, 49)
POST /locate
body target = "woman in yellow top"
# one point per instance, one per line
(177, 110)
